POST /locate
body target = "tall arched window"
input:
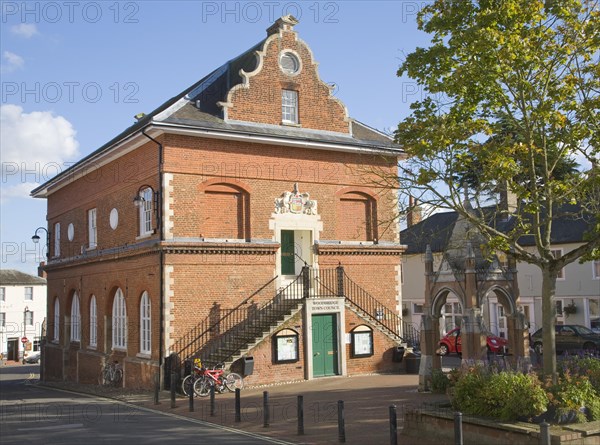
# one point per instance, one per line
(119, 321)
(93, 323)
(145, 331)
(56, 319)
(75, 319)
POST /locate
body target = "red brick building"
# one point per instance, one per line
(215, 225)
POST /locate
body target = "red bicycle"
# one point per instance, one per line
(216, 377)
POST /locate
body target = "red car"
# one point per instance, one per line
(451, 343)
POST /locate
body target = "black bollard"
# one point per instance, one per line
(458, 431)
(191, 396)
(300, 415)
(393, 425)
(213, 410)
(173, 387)
(266, 409)
(341, 422)
(156, 388)
(545, 438)
(238, 405)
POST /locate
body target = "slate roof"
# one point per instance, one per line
(436, 231)
(11, 277)
(199, 110)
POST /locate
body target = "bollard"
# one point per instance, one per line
(544, 433)
(238, 405)
(156, 388)
(213, 411)
(191, 397)
(300, 415)
(341, 423)
(266, 409)
(458, 431)
(173, 387)
(393, 425)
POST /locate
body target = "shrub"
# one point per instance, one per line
(574, 399)
(503, 395)
(439, 381)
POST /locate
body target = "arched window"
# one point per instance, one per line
(147, 196)
(75, 319)
(145, 331)
(56, 319)
(93, 323)
(119, 321)
(358, 211)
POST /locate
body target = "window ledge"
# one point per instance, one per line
(119, 348)
(291, 124)
(144, 355)
(92, 347)
(144, 236)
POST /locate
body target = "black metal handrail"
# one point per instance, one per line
(377, 311)
(208, 329)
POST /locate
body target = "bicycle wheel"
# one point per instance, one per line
(104, 377)
(234, 381)
(117, 377)
(187, 385)
(202, 387)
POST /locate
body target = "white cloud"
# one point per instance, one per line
(14, 61)
(34, 146)
(18, 191)
(26, 30)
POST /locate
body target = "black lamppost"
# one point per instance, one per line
(36, 239)
(24, 330)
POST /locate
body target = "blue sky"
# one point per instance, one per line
(73, 75)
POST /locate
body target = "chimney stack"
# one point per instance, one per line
(414, 215)
(41, 272)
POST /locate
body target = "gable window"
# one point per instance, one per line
(93, 323)
(75, 319)
(146, 196)
(29, 293)
(557, 253)
(119, 320)
(92, 231)
(596, 266)
(56, 319)
(145, 331)
(289, 106)
(57, 239)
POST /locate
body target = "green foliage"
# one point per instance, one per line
(573, 396)
(439, 381)
(505, 395)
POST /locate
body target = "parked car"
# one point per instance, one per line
(451, 343)
(33, 357)
(569, 337)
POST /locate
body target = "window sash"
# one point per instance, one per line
(146, 211)
(75, 319)
(2, 293)
(56, 319)
(92, 231)
(119, 320)
(57, 239)
(29, 318)
(93, 323)
(29, 293)
(2, 319)
(289, 106)
(145, 331)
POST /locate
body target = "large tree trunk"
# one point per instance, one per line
(548, 321)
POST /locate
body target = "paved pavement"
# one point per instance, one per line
(366, 399)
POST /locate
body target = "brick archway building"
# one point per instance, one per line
(215, 225)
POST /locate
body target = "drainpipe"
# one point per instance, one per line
(160, 250)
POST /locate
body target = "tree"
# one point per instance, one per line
(512, 104)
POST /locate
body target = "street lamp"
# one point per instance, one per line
(36, 239)
(24, 330)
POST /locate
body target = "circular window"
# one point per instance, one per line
(70, 232)
(114, 218)
(289, 63)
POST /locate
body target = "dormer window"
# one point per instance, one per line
(289, 107)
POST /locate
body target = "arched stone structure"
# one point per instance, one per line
(471, 277)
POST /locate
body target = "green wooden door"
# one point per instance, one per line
(324, 342)
(288, 263)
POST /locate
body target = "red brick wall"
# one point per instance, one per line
(261, 102)
(111, 186)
